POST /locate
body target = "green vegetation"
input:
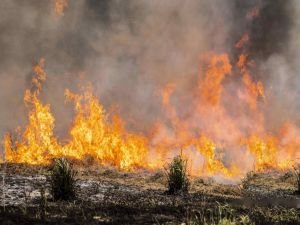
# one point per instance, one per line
(177, 177)
(225, 214)
(62, 180)
(217, 215)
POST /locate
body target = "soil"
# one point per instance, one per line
(107, 196)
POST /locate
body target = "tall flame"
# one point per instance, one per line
(91, 135)
(108, 142)
(38, 144)
(59, 7)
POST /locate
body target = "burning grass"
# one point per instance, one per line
(222, 128)
(104, 137)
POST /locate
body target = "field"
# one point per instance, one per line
(107, 196)
(150, 112)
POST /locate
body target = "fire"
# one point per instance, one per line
(103, 137)
(108, 142)
(218, 67)
(253, 13)
(254, 89)
(91, 135)
(212, 165)
(271, 152)
(242, 41)
(222, 130)
(59, 7)
(264, 150)
(38, 144)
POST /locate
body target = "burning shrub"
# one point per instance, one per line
(177, 176)
(62, 180)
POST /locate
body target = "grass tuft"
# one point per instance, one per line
(62, 180)
(248, 179)
(177, 177)
(217, 215)
(297, 176)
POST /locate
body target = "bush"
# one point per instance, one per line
(62, 180)
(177, 177)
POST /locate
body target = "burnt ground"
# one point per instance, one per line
(107, 196)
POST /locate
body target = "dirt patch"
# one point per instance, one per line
(106, 196)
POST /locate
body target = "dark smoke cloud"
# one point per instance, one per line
(271, 35)
(269, 32)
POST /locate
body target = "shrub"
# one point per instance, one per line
(177, 177)
(62, 180)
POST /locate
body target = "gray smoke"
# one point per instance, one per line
(130, 49)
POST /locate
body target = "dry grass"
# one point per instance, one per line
(177, 177)
(62, 180)
(138, 198)
(297, 177)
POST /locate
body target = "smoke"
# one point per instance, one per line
(279, 57)
(129, 50)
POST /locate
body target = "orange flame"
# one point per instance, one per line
(38, 144)
(92, 134)
(218, 67)
(206, 136)
(108, 142)
(59, 7)
(244, 40)
(253, 13)
(254, 90)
